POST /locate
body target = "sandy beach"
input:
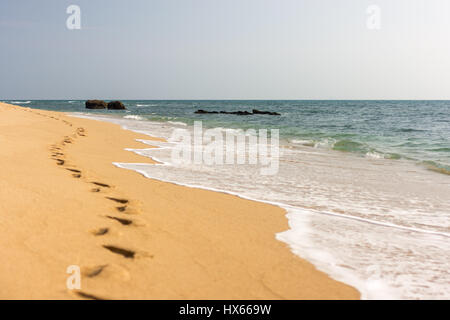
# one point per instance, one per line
(63, 203)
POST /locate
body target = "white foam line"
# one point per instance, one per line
(281, 205)
(278, 204)
(20, 102)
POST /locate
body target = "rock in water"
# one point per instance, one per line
(256, 111)
(95, 104)
(116, 105)
(201, 111)
(239, 113)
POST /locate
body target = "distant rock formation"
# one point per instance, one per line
(116, 105)
(201, 111)
(256, 111)
(239, 113)
(100, 104)
(96, 104)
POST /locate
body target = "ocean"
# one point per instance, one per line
(365, 184)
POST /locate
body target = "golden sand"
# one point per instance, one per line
(63, 202)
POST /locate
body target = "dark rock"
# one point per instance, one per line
(116, 105)
(239, 113)
(200, 111)
(95, 104)
(256, 111)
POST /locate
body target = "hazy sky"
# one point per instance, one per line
(225, 49)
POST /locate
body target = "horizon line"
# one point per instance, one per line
(113, 99)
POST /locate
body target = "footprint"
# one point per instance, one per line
(112, 272)
(95, 190)
(74, 170)
(127, 210)
(102, 184)
(100, 232)
(124, 252)
(123, 201)
(88, 296)
(121, 209)
(80, 132)
(125, 222)
(60, 162)
(76, 175)
(93, 271)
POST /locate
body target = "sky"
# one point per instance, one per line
(225, 49)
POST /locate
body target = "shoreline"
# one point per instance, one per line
(341, 238)
(185, 243)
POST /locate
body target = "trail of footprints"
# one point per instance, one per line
(123, 206)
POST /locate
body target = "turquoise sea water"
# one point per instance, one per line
(416, 130)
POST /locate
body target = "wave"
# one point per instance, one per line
(146, 105)
(177, 123)
(20, 102)
(343, 142)
(134, 117)
(346, 146)
(437, 167)
(350, 146)
(326, 143)
(440, 150)
(375, 155)
(308, 143)
(410, 130)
